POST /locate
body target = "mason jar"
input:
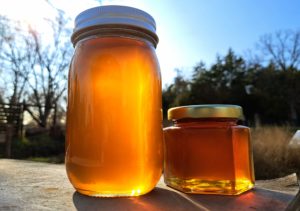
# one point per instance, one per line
(114, 133)
(207, 151)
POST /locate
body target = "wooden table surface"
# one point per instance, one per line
(26, 185)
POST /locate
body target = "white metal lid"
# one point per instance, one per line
(114, 15)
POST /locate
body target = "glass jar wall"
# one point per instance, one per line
(114, 133)
(206, 151)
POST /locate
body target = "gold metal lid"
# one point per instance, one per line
(206, 111)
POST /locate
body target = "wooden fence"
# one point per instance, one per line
(11, 115)
(11, 124)
(11, 121)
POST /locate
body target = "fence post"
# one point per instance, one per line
(22, 109)
(9, 136)
(54, 115)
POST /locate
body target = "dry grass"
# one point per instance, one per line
(272, 156)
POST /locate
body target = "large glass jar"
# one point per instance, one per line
(206, 151)
(114, 133)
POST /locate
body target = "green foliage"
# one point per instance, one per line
(217, 85)
(176, 94)
(267, 94)
(37, 146)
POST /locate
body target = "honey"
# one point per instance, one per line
(114, 134)
(207, 152)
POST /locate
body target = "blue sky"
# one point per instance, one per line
(194, 30)
(201, 29)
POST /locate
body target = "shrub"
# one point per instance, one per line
(41, 145)
(270, 151)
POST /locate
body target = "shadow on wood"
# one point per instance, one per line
(256, 199)
(295, 204)
(164, 199)
(158, 199)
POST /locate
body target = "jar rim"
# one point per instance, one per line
(116, 19)
(206, 111)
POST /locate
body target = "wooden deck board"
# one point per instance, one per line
(28, 185)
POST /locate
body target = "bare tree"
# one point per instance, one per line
(35, 65)
(14, 68)
(282, 48)
(49, 75)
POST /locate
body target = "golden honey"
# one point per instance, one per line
(207, 152)
(114, 134)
